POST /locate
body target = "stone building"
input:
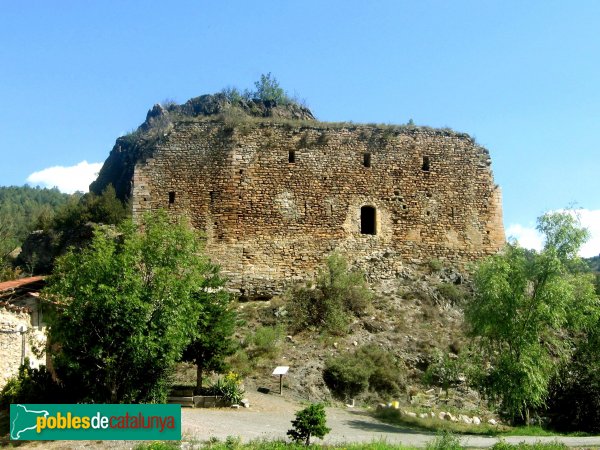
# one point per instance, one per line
(22, 326)
(275, 195)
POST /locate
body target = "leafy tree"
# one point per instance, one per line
(20, 210)
(268, 89)
(214, 329)
(127, 308)
(105, 208)
(526, 311)
(574, 403)
(310, 421)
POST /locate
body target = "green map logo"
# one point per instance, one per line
(95, 422)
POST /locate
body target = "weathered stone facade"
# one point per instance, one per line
(18, 336)
(22, 326)
(274, 199)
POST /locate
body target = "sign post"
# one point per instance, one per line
(281, 371)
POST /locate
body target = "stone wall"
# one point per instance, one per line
(12, 318)
(275, 199)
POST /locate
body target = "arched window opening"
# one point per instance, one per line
(368, 220)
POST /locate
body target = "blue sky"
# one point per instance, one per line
(521, 77)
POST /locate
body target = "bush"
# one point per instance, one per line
(230, 387)
(435, 265)
(445, 441)
(339, 295)
(268, 89)
(369, 367)
(266, 342)
(309, 422)
(345, 378)
(443, 371)
(451, 292)
(30, 386)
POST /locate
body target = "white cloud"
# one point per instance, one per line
(529, 237)
(591, 220)
(67, 179)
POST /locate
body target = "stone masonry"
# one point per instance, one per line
(275, 199)
(12, 319)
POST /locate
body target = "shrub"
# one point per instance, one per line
(370, 367)
(451, 292)
(230, 387)
(310, 421)
(266, 342)
(268, 89)
(435, 265)
(30, 386)
(339, 294)
(443, 371)
(345, 378)
(445, 441)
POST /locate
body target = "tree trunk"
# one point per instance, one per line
(199, 371)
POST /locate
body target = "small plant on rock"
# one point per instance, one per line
(310, 421)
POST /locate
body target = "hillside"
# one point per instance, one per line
(24, 208)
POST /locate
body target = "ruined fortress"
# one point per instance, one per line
(276, 192)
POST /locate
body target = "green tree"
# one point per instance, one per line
(214, 330)
(127, 307)
(21, 209)
(525, 313)
(310, 421)
(574, 403)
(268, 89)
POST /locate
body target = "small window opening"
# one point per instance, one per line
(425, 164)
(367, 160)
(292, 157)
(368, 223)
(211, 194)
(171, 197)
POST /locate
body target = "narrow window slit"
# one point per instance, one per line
(292, 157)
(367, 160)
(171, 197)
(425, 166)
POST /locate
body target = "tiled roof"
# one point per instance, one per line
(15, 284)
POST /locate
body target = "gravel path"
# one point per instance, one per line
(270, 417)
